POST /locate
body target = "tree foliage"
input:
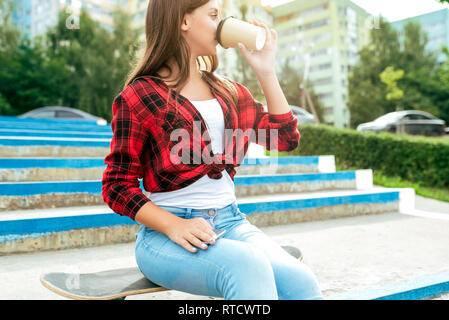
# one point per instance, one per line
(390, 77)
(290, 82)
(420, 83)
(83, 68)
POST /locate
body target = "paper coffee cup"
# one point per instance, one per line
(231, 31)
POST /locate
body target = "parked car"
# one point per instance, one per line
(302, 115)
(413, 121)
(58, 112)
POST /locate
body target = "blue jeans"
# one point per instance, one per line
(243, 264)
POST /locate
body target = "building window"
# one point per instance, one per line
(321, 67)
(323, 96)
(314, 24)
(328, 110)
(321, 52)
(285, 18)
(312, 11)
(322, 82)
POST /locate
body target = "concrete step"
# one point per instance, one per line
(8, 124)
(91, 168)
(53, 133)
(21, 141)
(25, 149)
(52, 194)
(346, 255)
(74, 227)
(32, 146)
(53, 138)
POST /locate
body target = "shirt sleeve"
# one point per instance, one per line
(279, 132)
(120, 185)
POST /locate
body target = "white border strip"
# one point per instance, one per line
(326, 164)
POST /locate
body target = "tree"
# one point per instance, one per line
(83, 68)
(366, 99)
(24, 71)
(390, 77)
(419, 66)
(439, 87)
(243, 73)
(96, 61)
(290, 83)
(367, 94)
(9, 43)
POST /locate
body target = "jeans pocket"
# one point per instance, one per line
(146, 237)
(241, 214)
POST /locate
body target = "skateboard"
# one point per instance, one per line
(112, 284)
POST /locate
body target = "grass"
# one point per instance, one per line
(379, 179)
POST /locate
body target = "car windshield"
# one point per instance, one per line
(389, 117)
(299, 110)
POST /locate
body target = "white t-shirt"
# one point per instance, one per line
(205, 192)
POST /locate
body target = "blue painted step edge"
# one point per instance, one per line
(56, 134)
(22, 163)
(18, 121)
(9, 228)
(94, 187)
(66, 143)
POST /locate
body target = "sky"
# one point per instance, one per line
(392, 10)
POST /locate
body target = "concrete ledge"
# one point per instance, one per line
(414, 289)
(33, 164)
(52, 141)
(52, 163)
(293, 187)
(28, 195)
(282, 165)
(50, 200)
(266, 219)
(79, 238)
(51, 133)
(17, 227)
(73, 232)
(8, 122)
(364, 179)
(50, 174)
(94, 187)
(89, 161)
(52, 151)
(25, 222)
(326, 164)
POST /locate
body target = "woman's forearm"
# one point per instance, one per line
(156, 218)
(276, 101)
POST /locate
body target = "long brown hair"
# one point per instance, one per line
(164, 41)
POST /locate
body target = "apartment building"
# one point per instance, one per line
(436, 24)
(34, 17)
(253, 10)
(321, 38)
(139, 11)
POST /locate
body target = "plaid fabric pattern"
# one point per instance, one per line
(168, 146)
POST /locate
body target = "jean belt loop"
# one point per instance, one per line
(188, 213)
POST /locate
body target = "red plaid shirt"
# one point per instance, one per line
(143, 128)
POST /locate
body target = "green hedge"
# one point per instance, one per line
(418, 159)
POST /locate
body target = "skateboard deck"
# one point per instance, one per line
(105, 285)
(111, 284)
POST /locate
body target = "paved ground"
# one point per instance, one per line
(346, 254)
